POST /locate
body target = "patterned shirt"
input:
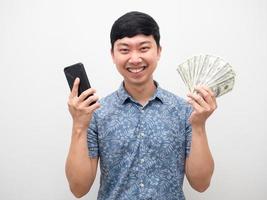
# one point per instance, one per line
(142, 149)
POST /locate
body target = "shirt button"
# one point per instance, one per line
(142, 160)
(142, 185)
(142, 134)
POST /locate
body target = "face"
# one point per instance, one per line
(136, 59)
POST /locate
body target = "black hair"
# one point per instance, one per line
(132, 24)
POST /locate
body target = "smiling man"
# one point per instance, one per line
(145, 137)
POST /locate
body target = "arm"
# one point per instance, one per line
(80, 168)
(199, 164)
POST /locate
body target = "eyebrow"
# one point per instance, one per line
(126, 44)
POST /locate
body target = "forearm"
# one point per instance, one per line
(80, 168)
(199, 164)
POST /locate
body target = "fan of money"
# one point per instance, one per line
(208, 70)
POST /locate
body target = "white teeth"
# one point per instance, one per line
(136, 70)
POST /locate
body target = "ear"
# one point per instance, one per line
(112, 55)
(159, 52)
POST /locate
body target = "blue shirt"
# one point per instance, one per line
(142, 149)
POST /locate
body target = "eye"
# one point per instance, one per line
(124, 50)
(145, 48)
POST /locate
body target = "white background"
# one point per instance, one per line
(39, 38)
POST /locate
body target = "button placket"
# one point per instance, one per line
(141, 136)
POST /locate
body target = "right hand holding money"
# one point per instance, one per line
(204, 103)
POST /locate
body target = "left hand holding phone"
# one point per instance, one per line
(82, 107)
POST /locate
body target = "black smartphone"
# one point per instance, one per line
(74, 71)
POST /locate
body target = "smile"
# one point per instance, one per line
(136, 70)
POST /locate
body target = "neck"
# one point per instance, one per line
(141, 93)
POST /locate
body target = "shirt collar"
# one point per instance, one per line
(124, 96)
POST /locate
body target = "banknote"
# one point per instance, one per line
(208, 70)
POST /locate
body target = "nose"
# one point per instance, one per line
(135, 58)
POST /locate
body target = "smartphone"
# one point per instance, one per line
(74, 71)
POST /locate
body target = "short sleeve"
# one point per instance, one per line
(92, 138)
(188, 130)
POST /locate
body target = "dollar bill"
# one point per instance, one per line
(207, 70)
(223, 87)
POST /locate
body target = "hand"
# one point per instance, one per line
(79, 107)
(203, 103)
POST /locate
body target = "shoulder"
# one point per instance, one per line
(172, 99)
(109, 99)
(175, 104)
(108, 104)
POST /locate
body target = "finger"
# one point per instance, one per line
(198, 98)
(86, 94)
(212, 94)
(205, 94)
(93, 107)
(75, 87)
(194, 104)
(90, 100)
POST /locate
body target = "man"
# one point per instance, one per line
(145, 137)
